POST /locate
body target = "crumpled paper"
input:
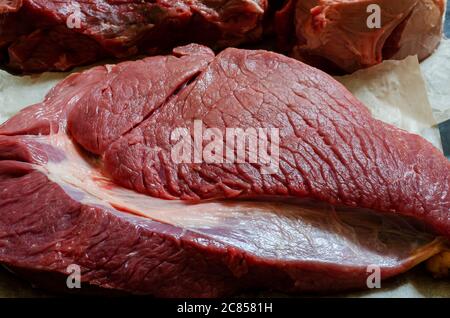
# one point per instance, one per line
(395, 92)
(436, 71)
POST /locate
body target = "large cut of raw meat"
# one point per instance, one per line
(336, 34)
(42, 35)
(86, 174)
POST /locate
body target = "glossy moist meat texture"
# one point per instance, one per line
(335, 34)
(42, 35)
(61, 173)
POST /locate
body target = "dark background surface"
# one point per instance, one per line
(445, 127)
(447, 20)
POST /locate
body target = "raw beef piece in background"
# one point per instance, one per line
(42, 35)
(333, 34)
(59, 197)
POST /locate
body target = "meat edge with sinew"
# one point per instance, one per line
(118, 251)
(124, 251)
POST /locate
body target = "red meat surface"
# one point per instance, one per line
(86, 174)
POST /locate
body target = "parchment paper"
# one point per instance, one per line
(18, 92)
(436, 71)
(394, 91)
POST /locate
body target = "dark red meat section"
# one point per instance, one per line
(42, 35)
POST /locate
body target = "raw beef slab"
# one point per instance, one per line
(64, 199)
